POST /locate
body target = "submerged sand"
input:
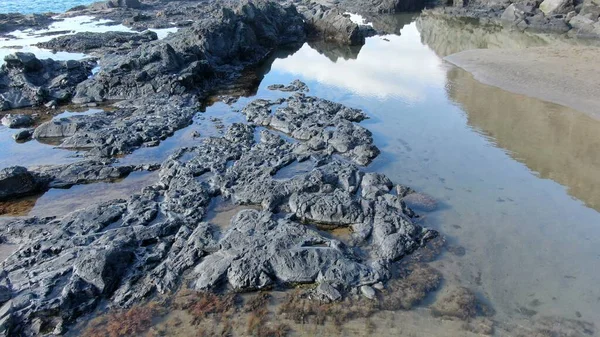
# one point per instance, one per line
(568, 76)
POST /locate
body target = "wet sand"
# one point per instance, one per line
(568, 76)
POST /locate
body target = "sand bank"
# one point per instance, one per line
(569, 76)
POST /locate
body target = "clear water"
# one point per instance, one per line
(518, 178)
(39, 6)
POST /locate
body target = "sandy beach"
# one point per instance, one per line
(568, 76)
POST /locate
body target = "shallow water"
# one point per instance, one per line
(516, 177)
(60, 201)
(25, 41)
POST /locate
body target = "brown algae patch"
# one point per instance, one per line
(18, 207)
(406, 292)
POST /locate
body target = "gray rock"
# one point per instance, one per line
(332, 24)
(115, 42)
(514, 14)
(5, 294)
(420, 201)
(374, 185)
(17, 121)
(64, 127)
(551, 7)
(590, 10)
(368, 292)
(26, 61)
(17, 181)
(187, 61)
(326, 291)
(10, 22)
(28, 81)
(296, 85)
(23, 135)
(584, 27)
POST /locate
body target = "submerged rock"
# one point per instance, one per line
(420, 201)
(296, 85)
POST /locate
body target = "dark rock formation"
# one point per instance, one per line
(190, 60)
(384, 6)
(132, 4)
(296, 85)
(16, 182)
(27, 81)
(311, 119)
(137, 122)
(123, 251)
(15, 21)
(109, 42)
(332, 24)
(23, 135)
(17, 121)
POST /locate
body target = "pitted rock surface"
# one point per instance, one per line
(124, 251)
(26, 81)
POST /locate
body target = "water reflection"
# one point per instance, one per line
(387, 66)
(557, 142)
(57, 202)
(447, 36)
(481, 151)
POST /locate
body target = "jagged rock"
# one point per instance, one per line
(327, 291)
(584, 27)
(121, 252)
(27, 81)
(292, 253)
(308, 118)
(590, 10)
(17, 121)
(108, 41)
(60, 128)
(23, 135)
(296, 85)
(134, 4)
(333, 24)
(374, 185)
(14, 21)
(551, 7)
(188, 60)
(5, 294)
(17, 181)
(368, 292)
(107, 134)
(84, 172)
(514, 14)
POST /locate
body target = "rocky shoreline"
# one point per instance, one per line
(572, 17)
(123, 252)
